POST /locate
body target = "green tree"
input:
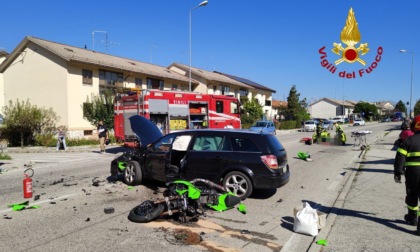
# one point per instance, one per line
(369, 110)
(417, 108)
(296, 109)
(251, 112)
(400, 107)
(24, 121)
(100, 108)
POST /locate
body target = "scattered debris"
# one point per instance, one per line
(280, 200)
(343, 173)
(244, 231)
(322, 242)
(88, 219)
(37, 197)
(7, 217)
(130, 187)
(65, 199)
(57, 181)
(68, 184)
(18, 206)
(53, 202)
(109, 210)
(304, 156)
(2, 170)
(302, 187)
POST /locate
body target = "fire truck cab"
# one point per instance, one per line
(174, 110)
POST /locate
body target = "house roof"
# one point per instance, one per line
(76, 54)
(211, 76)
(349, 104)
(248, 82)
(278, 104)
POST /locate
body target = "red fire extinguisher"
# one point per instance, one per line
(27, 184)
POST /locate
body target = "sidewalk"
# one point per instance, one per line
(368, 214)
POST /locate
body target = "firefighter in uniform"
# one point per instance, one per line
(318, 132)
(340, 133)
(407, 162)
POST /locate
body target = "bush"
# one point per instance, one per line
(289, 125)
(50, 140)
(4, 156)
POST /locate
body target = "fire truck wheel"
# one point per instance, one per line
(238, 183)
(132, 173)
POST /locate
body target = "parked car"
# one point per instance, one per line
(346, 120)
(337, 120)
(328, 125)
(239, 160)
(264, 126)
(310, 125)
(386, 119)
(359, 122)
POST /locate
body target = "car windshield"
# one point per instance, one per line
(310, 122)
(260, 124)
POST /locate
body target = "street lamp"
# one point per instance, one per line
(204, 3)
(412, 70)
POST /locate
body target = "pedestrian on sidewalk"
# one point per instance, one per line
(61, 138)
(103, 135)
(407, 162)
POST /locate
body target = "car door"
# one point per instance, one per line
(206, 157)
(158, 158)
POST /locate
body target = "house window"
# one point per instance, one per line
(138, 82)
(243, 92)
(154, 84)
(110, 78)
(214, 89)
(224, 90)
(87, 76)
(174, 87)
(236, 93)
(88, 132)
(267, 103)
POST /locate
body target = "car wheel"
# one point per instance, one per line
(132, 173)
(238, 183)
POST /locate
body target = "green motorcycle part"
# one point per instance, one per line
(122, 165)
(193, 192)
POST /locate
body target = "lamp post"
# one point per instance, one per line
(412, 71)
(204, 3)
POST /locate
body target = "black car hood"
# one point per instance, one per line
(145, 130)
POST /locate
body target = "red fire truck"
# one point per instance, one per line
(174, 110)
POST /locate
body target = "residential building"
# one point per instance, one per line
(276, 106)
(64, 77)
(329, 108)
(384, 107)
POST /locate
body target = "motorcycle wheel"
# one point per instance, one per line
(145, 212)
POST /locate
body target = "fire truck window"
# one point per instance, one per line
(234, 108)
(219, 106)
(181, 143)
(163, 144)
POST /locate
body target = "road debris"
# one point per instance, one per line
(109, 210)
(322, 242)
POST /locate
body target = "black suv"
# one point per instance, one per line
(239, 160)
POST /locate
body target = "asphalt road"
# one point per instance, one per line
(74, 191)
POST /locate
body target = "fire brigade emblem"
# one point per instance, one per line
(350, 36)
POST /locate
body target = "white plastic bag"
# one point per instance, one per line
(306, 221)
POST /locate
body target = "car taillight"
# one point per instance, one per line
(270, 161)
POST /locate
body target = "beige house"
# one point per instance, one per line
(330, 108)
(63, 77)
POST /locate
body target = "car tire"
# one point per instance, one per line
(132, 173)
(145, 212)
(238, 183)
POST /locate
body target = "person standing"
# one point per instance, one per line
(407, 163)
(61, 138)
(103, 135)
(340, 133)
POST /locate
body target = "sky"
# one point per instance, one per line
(272, 42)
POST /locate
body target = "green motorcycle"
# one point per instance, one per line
(185, 200)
